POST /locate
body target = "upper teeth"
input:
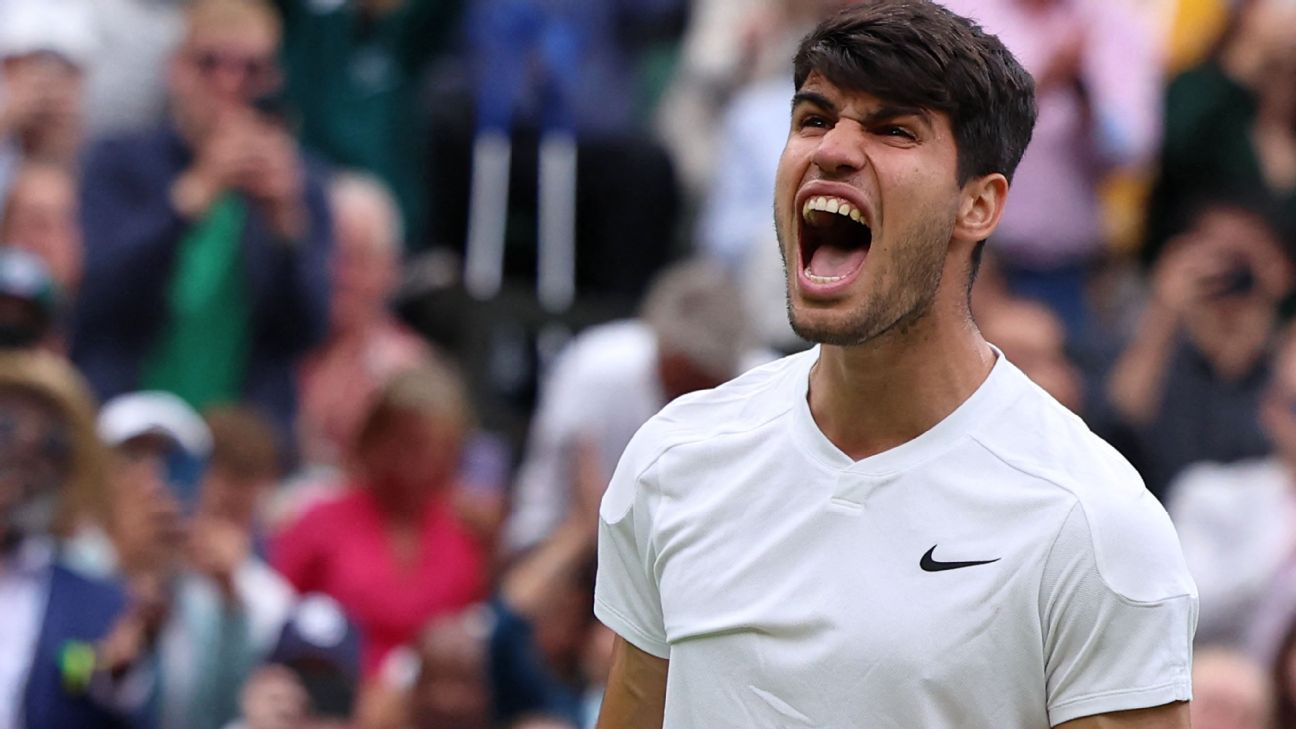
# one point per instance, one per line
(830, 204)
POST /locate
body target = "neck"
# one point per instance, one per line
(1242, 62)
(399, 504)
(873, 397)
(362, 325)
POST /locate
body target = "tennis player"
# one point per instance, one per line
(895, 529)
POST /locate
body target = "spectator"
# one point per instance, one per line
(206, 239)
(1188, 382)
(1098, 78)
(390, 548)
(1235, 522)
(1229, 692)
(41, 216)
(1032, 337)
(159, 447)
(309, 680)
(44, 47)
(366, 344)
(1230, 126)
(542, 626)
(527, 650)
(184, 498)
(29, 304)
(451, 691)
(244, 469)
(228, 605)
(72, 653)
(612, 378)
(365, 347)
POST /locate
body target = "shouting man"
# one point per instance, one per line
(895, 529)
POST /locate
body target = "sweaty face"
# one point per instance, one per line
(865, 202)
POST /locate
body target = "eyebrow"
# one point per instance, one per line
(814, 98)
(884, 113)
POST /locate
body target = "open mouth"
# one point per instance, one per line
(835, 239)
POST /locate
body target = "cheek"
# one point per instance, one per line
(787, 178)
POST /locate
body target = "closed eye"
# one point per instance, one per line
(892, 130)
(812, 121)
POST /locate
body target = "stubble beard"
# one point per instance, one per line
(905, 301)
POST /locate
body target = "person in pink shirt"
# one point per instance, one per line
(390, 548)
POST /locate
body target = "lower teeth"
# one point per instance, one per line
(822, 279)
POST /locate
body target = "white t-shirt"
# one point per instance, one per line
(1237, 525)
(793, 587)
(602, 388)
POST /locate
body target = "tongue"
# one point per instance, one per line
(831, 262)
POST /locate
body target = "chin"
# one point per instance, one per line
(849, 324)
(837, 328)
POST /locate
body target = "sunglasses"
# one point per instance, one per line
(259, 71)
(51, 442)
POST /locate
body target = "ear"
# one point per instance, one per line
(981, 207)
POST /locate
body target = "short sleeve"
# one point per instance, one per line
(1108, 648)
(626, 596)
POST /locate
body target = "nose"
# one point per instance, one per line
(841, 150)
(229, 83)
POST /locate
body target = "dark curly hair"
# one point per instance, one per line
(917, 53)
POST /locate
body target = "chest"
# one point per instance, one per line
(866, 586)
(379, 574)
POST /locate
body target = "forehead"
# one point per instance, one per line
(851, 101)
(247, 34)
(1234, 224)
(21, 402)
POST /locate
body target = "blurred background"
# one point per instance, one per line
(323, 324)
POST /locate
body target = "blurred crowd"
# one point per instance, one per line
(323, 324)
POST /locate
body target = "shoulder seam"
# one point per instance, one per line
(1048, 556)
(1098, 569)
(706, 436)
(1020, 467)
(1043, 475)
(719, 432)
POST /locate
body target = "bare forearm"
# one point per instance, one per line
(1137, 382)
(636, 691)
(531, 583)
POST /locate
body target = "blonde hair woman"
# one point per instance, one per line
(390, 548)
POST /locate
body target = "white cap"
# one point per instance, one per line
(63, 27)
(154, 413)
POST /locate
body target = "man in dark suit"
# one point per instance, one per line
(73, 654)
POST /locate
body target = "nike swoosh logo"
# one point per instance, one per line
(930, 565)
